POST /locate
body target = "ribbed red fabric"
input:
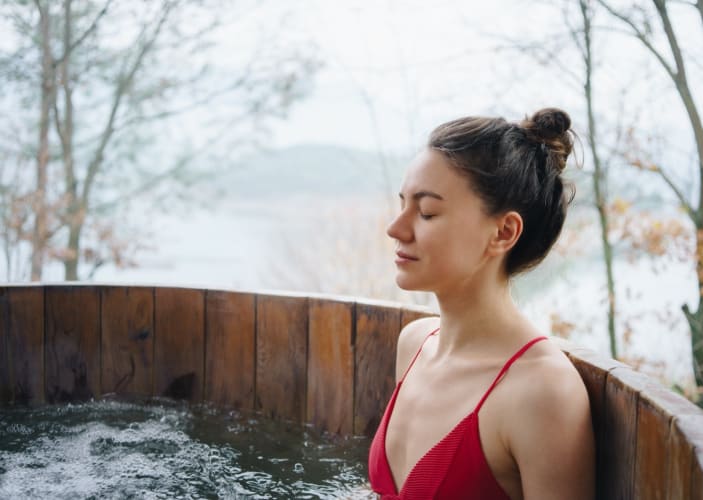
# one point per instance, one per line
(454, 468)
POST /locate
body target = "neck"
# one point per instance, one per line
(480, 318)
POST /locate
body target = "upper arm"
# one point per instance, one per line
(553, 443)
(409, 342)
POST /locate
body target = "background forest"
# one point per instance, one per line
(260, 145)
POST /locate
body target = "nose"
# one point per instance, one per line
(399, 228)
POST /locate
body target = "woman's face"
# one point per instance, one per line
(442, 232)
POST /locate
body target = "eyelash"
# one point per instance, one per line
(422, 216)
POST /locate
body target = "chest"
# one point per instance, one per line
(429, 405)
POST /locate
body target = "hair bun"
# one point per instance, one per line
(549, 123)
(552, 128)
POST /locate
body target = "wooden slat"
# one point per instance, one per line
(281, 356)
(230, 349)
(652, 454)
(377, 329)
(686, 473)
(665, 407)
(697, 472)
(680, 463)
(128, 340)
(331, 366)
(72, 349)
(621, 400)
(179, 343)
(5, 382)
(658, 448)
(663, 453)
(594, 378)
(22, 345)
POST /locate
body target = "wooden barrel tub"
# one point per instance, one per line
(321, 360)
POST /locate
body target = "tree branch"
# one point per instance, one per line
(641, 36)
(123, 85)
(68, 132)
(678, 76)
(539, 51)
(684, 90)
(673, 42)
(22, 25)
(57, 123)
(692, 213)
(179, 166)
(86, 33)
(195, 104)
(574, 32)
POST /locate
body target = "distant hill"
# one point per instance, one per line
(313, 169)
(337, 170)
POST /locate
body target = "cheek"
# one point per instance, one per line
(455, 259)
(448, 256)
(464, 250)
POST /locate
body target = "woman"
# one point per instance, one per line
(483, 202)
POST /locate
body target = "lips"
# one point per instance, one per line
(405, 256)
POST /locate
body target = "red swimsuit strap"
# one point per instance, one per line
(417, 354)
(505, 368)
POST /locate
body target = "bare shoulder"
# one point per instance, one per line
(554, 427)
(558, 380)
(409, 341)
(544, 381)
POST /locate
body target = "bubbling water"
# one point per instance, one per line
(111, 449)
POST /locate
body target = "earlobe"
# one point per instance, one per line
(508, 230)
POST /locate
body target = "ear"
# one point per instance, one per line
(508, 230)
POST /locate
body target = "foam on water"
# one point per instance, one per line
(119, 450)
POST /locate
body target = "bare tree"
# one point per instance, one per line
(47, 92)
(100, 100)
(639, 22)
(16, 209)
(583, 41)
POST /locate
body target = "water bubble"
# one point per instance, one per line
(111, 450)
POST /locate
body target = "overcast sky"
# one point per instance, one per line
(395, 69)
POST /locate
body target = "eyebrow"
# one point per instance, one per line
(422, 194)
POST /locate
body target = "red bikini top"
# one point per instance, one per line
(454, 468)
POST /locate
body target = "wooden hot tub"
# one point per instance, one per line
(323, 360)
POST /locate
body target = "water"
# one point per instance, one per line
(120, 450)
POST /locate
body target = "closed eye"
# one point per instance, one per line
(426, 216)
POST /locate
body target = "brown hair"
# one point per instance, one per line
(515, 166)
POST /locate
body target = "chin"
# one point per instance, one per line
(409, 284)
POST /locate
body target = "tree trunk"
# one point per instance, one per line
(78, 203)
(70, 263)
(75, 213)
(598, 176)
(695, 319)
(47, 95)
(608, 258)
